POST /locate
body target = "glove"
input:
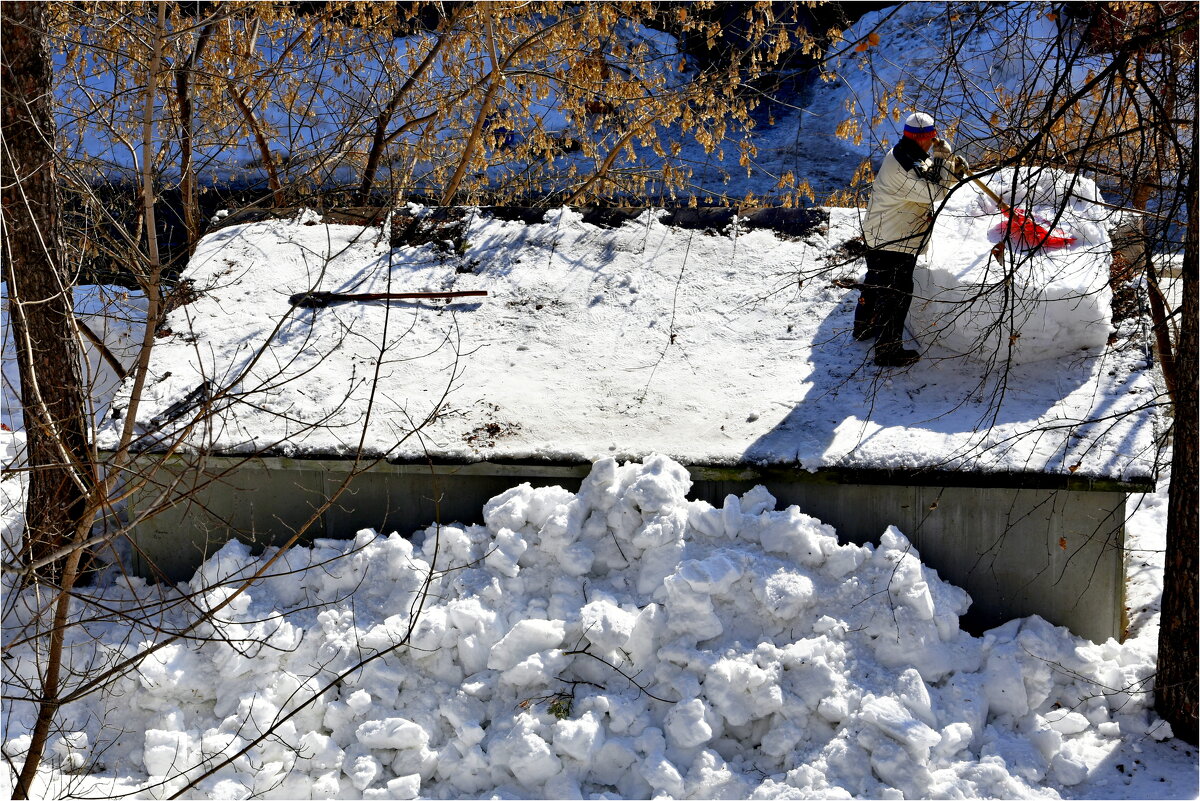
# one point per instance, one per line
(940, 149)
(959, 165)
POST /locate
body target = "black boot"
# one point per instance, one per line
(895, 356)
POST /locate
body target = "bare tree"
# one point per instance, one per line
(40, 289)
(1178, 663)
(75, 509)
(41, 305)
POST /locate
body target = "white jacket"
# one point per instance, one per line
(906, 191)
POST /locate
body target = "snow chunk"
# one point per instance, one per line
(580, 739)
(396, 733)
(525, 639)
(606, 625)
(526, 753)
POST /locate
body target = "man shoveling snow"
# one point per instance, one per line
(913, 179)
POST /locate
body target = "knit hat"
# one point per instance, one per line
(919, 126)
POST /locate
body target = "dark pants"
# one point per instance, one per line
(885, 297)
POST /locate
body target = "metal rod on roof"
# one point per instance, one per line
(319, 300)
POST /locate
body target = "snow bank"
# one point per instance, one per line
(1041, 303)
(114, 314)
(618, 641)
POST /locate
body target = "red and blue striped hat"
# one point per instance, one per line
(919, 126)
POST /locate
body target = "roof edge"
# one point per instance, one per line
(770, 473)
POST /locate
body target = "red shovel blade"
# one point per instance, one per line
(1022, 229)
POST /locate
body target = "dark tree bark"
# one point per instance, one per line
(1175, 687)
(183, 99)
(40, 301)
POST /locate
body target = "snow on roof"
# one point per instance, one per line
(717, 348)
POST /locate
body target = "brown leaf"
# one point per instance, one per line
(1062, 543)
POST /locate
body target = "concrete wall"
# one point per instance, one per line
(1054, 553)
(1018, 552)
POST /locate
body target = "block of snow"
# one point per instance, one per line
(1038, 304)
(893, 719)
(320, 751)
(686, 726)
(785, 593)
(395, 733)
(362, 769)
(166, 752)
(915, 694)
(359, 701)
(525, 639)
(506, 551)
(606, 625)
(581, 739)
(664, 777)
(712, 576)
(1067, 722)
(327, 785)
(1068, 768)
(742, 691)
(526, 754)
(690, 614)
(539, 668)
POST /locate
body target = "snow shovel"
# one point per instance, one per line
(1021, 228)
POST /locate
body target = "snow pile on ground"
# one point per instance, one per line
(1039, 303)
(618, 642)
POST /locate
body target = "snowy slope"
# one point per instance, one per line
(952, 60)
(113, 314)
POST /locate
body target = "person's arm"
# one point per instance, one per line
(912, 187)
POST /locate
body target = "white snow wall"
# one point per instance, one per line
(1029, 305)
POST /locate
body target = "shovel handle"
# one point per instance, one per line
(987, 190)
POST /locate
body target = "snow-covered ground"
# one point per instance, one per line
(616, 642)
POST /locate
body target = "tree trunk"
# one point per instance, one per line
(1175, 687)
(40, 297)
(189, 199)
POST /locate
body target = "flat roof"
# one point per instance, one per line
(718, 344)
